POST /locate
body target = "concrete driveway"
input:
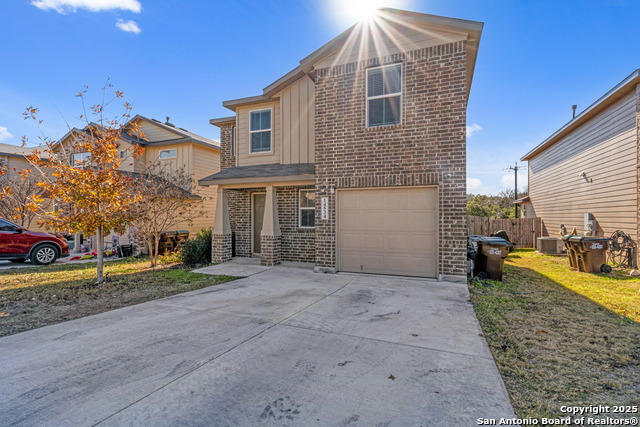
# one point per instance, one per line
(283, 347)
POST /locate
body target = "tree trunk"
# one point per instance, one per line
(100, 253)
(150, 247)
(155, 254)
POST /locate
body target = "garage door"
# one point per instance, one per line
(388, 231)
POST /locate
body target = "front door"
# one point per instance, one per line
(258, 218)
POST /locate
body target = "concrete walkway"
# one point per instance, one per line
(284, 347)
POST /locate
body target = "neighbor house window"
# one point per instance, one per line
(307, 209)
(167, 154)
(260, 131)
(123, 154)
(233, 141)
(384, 95)
(79, 158)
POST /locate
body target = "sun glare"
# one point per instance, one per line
(350, 12)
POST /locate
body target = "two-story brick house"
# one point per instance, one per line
(355, 160)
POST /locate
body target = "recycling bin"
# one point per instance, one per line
(489, 262)
(571, 253)
(591, 253)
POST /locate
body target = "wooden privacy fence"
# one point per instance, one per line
(523, 232)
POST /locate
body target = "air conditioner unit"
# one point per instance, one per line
(550, 245)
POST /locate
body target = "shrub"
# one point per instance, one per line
(169, 258)
(198, 249)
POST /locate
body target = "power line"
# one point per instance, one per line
(516, 168)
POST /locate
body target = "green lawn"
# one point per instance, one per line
(35, 297)
(561, 337)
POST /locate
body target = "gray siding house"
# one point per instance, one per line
(590, 166)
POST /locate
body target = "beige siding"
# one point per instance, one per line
(183, 156)
(605, 149)
(393, 40)
(154, 132)
(205, 162)
(246, 158)
(297, 105)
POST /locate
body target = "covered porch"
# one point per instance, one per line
(265, 212)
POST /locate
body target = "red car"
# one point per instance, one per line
(18, 245)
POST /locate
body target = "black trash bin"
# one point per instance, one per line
(489, 262)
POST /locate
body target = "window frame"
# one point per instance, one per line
(234, 148)
(270, 130)
(123, 154)
(300, 208)
(84, 154)
(393, 95)
(175, 154)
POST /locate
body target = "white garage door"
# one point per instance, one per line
(388, 231)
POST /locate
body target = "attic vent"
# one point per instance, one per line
(184, 129)
(169, 124)
(156, 120)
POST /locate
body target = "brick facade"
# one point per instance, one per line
(296, 244)
(220, 247)
(271, 250)
(428, 148)
(227, 159)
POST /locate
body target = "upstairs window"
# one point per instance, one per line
(307, 209)
(80, 158)
(123, 154)
(167, 154)
(260, 131)
(384, 95)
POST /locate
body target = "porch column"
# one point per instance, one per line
(221, 234)
(270, 237)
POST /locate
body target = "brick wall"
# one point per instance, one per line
(429, 148)
(227, 159)
(297, 244)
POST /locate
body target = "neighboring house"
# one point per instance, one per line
(590, 166)
(173, 148)
(355, 160)
(13, 156)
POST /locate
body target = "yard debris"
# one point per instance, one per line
(391, 377)
(634, 273)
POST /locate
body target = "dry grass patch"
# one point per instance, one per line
(35, 297)
(561, 337)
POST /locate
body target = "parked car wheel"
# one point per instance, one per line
(19, 260)
(44, 255)
(482, 275)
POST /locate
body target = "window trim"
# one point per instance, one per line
(262, 130)
(300, 209)
(175, 154)
(234, 148)
(368, 98)
(84, 155)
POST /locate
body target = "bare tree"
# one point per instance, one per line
(168, 199)
(17, 189)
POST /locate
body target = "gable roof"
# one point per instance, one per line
(183, 135)
(471, 29)
(605, 101)
(17, 151)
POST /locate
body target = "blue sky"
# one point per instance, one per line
(183, 58)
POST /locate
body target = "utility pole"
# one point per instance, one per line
(515, 169)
